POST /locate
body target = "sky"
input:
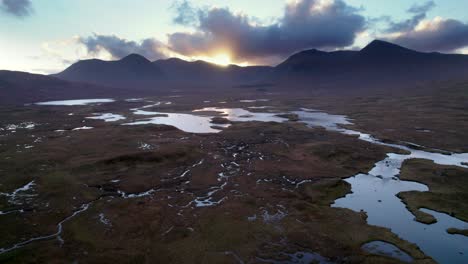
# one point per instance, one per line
(46, 36)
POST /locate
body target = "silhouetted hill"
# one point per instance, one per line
(185, 71)
(380, 63)
(386, 49)
(136, 71)
(129, 71)
(21, 87)
(177, 70)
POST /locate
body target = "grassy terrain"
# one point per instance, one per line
(447, 189)
(458, 231)
(434, 116)
(263, 211)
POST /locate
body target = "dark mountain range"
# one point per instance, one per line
(131, 70)
(201, 71)
(379, 63)
(21, 87)
(135, 70)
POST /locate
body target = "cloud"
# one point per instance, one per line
(119, 47)
(438, 34)
(186, 13)
(419, 13)
(423, 8)
(423, 34)
(19, 8)
(326, 24)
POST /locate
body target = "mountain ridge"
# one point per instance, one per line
(378, 65)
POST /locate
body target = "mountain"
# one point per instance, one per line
(202, 71)
(133, 70)
(21, 87)
(380, 63)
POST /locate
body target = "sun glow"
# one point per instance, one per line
(221, 59)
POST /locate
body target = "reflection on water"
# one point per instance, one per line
(107, 117)
(77, 102)
(254, 100)
(386, 249)
(81, 128)
(185, 122)
(321, 119)
(201, 120)
(375, 193)
(242, 115)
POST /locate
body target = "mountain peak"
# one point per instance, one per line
(380, 47)
(135, 58)
(311, 52)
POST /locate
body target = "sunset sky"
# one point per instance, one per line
(45, 36)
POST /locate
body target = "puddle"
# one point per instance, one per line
(25, 125)
(145, 146)
(104, 220)
(82, 128)
(20, 195)
(77, 102)
(386, 249)
(132, 100)
(136, 195)
(107, 117)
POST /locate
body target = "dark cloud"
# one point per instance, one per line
(119, 47)
(420, 33)
(423, 8)
(305, 24)
(419, 13)
(186, 13)
(445, 35)
(19, 8)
